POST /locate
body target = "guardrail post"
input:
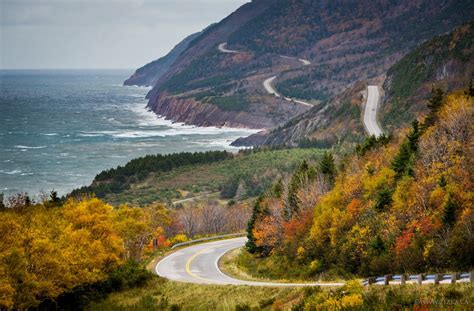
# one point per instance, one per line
(386, 279)
(471, 276)
(402, 279)
(370, 280)
(419, 279)
(436, 278)
(454, 277)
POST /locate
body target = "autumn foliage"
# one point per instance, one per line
(48, 250)
(401, 206)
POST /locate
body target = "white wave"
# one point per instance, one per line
(50, 134)
(14, 172)
(90, 135)
(29, 147)
(149, 118)
(137, 95)
(176, 131)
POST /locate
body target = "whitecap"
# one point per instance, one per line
(29, 147)
(90, 135)
(14, 172)
(50, 134)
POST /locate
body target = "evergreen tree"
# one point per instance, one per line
(256, 211)
(449, 214)
(403, 162)
(434, 104)
(327, 167)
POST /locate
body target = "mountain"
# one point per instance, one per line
(444, 62)
(149, 74)
(327, 47)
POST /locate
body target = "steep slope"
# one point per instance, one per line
(345, 42)
(447, 61)
(149, 74)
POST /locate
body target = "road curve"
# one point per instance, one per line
(267, 84)
(222, 48)
(199, 264)
(370, 113)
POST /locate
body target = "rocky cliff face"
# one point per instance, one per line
(190, 111)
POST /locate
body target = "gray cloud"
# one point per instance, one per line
(99, 33)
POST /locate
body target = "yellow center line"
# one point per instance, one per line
(188, 265)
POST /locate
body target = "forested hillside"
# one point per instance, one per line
(444, 62)
(399, 204)
(343, 43)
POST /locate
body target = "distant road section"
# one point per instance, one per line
(304, 61)
(370, 113)
(267, 84)
(200, 264)
(222, 48)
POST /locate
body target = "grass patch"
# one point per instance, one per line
(243, 265)
(160, 294)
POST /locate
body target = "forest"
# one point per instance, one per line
(399, 204)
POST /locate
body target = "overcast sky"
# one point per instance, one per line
(99, 33)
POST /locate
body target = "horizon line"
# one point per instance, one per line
(31, 69)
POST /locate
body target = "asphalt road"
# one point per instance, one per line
(199, 264)
(222, 48)
(370, 113)
(267, 84)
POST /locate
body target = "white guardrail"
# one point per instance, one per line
(401, 279)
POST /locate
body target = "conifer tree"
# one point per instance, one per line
(250, 245)
(327, 167)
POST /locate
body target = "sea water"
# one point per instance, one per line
(58, 129)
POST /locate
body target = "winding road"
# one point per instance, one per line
(370, 113)
(267, 84)
(200, 264)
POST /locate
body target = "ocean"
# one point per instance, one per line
(59, 128)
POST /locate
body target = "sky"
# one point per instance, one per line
(108, 34)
